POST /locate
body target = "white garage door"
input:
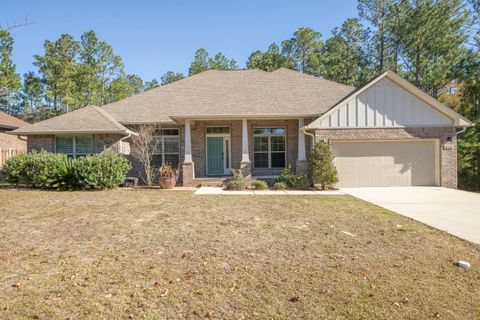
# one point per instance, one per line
(386, 163)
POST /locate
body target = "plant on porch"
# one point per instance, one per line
(167, 176)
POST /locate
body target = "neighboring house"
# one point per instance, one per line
(10, 145)
(386, 133)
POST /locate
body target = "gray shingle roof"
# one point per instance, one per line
(10, 122)
(88, 119)
(232, 93)
(242, 93)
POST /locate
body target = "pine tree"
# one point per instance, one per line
(136, 83)
(432, 40)
(378, 13)
(151, 84)
(305, 48)
(9, 79)
(343, 56)
(202, 62)
(58, 71)
(270, 60)
(170, 77)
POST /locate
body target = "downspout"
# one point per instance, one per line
(304, 131)
(461, 131)
(121, 142)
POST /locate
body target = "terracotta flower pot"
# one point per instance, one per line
(168, 182)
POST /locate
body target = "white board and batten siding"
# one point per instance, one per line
(384, 104)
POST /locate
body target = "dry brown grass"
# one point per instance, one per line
(172, 255)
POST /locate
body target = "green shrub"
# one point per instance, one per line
(302, 182)
(287, 177)
(321, 168)
(279, 185)
(293, 181)
(259, 185)
(39, 170)
(238, 175)
(57, 171)
(104, 171)
(14, 169)
(235, 185)
(237, 182)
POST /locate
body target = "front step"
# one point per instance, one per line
(217, 181)
(210, 182)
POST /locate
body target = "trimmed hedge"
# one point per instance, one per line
(56, 171)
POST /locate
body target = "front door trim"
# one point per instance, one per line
(227, 160)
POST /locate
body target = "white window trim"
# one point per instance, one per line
(162, 144)
(74, 153)
(269, 152)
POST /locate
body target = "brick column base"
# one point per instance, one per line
(188, 174)
(302, 167)
(246, 167)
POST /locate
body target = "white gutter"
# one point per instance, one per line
(304, 131)
(59, 132)
(245, 116)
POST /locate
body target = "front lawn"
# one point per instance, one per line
(154, 254)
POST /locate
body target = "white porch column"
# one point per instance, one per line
(301, 141)
(245, 155)
(188, 142)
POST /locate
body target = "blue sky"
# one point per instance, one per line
(153, 37)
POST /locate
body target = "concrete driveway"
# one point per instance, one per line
(454, 211)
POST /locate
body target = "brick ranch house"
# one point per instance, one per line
(386, 133)
(10, 145)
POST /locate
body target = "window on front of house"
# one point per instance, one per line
(269, 147)
(168, 148)
(74, 146)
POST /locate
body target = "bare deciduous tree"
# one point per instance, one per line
(144, 146)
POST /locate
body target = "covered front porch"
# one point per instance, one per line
(261, 148)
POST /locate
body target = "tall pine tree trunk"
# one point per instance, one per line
(381, 61)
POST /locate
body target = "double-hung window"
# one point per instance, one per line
(269, 147)
(168, 148)
(74, 146)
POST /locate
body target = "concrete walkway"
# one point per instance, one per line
(220, 191)
(454, 211)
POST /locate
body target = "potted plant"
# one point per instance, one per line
(167, 176)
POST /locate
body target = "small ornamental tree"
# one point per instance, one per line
(144, 147)
(322, 171)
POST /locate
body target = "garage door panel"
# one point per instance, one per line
(392, 163)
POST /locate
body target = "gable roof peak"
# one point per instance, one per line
(91, 119)
(459, 120)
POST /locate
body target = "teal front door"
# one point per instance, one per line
(215, 162)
